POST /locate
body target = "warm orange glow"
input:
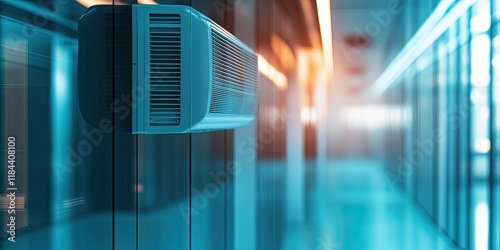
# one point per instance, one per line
(284, 52)
(302, 66)
(146, 2)
(88, 3)
(325, 24)
(279, 79)
(310, 17)
(312, 76)
(310, 66)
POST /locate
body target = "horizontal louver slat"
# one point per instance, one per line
(164, 19)
(234, 78)
(165, 70)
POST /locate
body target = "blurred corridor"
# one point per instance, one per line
(360, 209)
(377, 127)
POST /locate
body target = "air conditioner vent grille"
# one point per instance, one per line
(165, 19)
(234, 78)
(164, 70)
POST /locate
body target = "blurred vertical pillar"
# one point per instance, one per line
(245, 213)
(245, 154)
(61, 90)
(321, 103)
(295, 180)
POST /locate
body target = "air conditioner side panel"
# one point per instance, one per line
(138, 125)
(233, 82)
(201, 47)
(104, 64)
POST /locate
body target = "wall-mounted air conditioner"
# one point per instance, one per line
(163, 69)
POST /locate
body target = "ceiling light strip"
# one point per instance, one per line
(265, 68)
(146, 2)
(446, 13)
(325, 24)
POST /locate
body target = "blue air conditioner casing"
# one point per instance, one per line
(184, 72)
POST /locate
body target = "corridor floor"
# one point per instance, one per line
(359, 208)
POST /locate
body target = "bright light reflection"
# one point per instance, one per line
(89, 3)
(480, 58)
(481, 22)
(278, 78)
(308, 115)
(60, 86)
(495, 62)
(325, 23)
(365, 116)
(482, 145)
(146, 2)
(375, 116)
(481, 226)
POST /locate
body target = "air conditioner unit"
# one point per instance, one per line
(163, 69)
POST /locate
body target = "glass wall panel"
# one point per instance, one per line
(452, 93)
(480, 123)
(69, 200)
(495, 133)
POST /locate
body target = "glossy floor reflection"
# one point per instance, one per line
(353, 206)
(95, 232)
(358, 208)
